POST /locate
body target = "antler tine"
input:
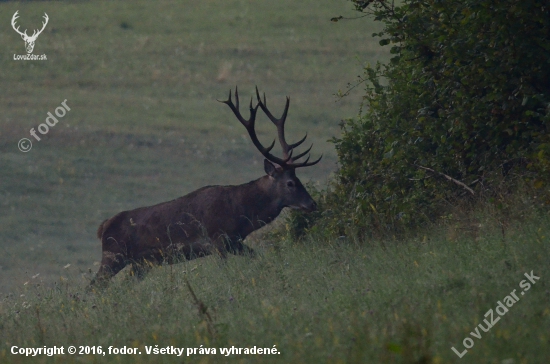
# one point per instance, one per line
(287, 162)
(236, 97)
(14, 18)
(303, 153)
(288, 157)
(235, 109)
(280, 124)
(292, 146)
(249, 126)
(263, 105)
(13, 21)
(43, 26)
(306, 164)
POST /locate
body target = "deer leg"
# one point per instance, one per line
(238, 248)
(218, 246)
(140, 269)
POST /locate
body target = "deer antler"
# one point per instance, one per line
(24, 34)
(280, 124)
(13, 20)
(249, 125)
(287, 161)
(43, 26)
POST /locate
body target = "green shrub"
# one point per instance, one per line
(466, 94)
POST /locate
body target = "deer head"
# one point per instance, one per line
(29, 41)
(285, 186)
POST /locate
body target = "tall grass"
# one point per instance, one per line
(334, 301)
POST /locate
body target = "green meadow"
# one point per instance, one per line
(141, 80)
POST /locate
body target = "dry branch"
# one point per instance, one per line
(203, 310)
(461, 184)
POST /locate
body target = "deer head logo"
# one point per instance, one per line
(29, 41)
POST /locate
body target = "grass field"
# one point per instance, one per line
(142, 79)
(318, 301)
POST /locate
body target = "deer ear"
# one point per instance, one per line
(271, 169)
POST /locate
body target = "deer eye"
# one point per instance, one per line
(290, 183)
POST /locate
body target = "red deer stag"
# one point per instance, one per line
(210, 219)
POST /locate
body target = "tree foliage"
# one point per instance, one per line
(466, 95)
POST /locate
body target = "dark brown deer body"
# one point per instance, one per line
(212, 219)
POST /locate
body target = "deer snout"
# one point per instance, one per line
(309, 207)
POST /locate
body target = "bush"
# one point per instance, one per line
(462, 109)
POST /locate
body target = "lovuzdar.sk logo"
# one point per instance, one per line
(29, 40)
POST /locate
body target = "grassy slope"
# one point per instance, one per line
(142, 79)
(318, 301)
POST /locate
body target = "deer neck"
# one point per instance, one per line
(261, 203)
